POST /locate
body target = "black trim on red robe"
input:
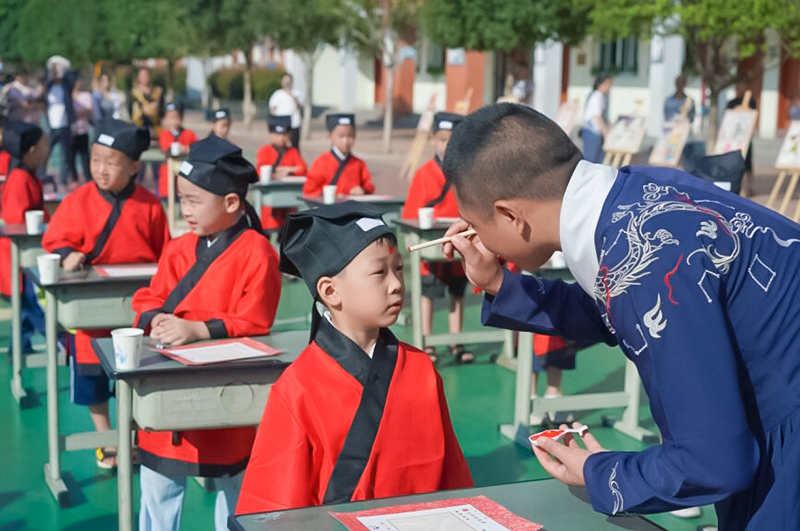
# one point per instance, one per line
(375, 375)
(342, 165)
(445, 189)
(205, 257)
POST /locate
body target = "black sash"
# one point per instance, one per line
(342, 164)
(281, 152)
(375, 375)
(445, 188)
(117, 201)
(205, 257)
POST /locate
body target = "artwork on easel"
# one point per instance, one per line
(626, 135)
(567, 116)
(789, 155)
(736, 131)
(669, 148)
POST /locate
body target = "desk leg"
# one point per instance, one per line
(258, 202)
(416, 300)
(124, 466)
(629, 425)
(17, 391)
(520, 430)
(52, 469)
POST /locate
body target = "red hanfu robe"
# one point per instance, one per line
(325, 168)
(269, 155)
(319, 403)
(128, 228)
(5, 162)
(234, 287)
(430, 189)
(21, 192)
(185, 138)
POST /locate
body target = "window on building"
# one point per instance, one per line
(620, 56)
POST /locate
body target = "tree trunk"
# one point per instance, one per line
(308, 63)
(388, 111)
(204, 96)
(248, 109)
(713, 121)
(170, 79)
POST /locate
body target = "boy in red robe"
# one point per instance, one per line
(221, 123)
(359, 415)
(219, 280)
(172, 132)
(339, 166)
(285, 161)
(109, 220)
(429, 189)
(22, 191)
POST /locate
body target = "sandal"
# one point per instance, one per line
(431, 352)
(106, 458)
(461, 355)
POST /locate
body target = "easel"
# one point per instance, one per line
(411, 163)
(617, 159)
(683, 118)
(787, 197)
(721, 149)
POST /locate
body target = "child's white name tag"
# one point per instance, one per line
(186, 168)
(367, 224)
(446, 125)
(106, 140)
(344, 121)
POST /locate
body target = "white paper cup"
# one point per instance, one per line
(34, 221)
(127, 347)
(329, 194)
(425, 217)
(175, 149)
(265, 174)
(49, 265)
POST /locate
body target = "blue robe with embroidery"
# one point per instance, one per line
(699, 288)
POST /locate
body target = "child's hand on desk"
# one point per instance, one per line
(357, 191)
(175, 331)
(565, 461)
(74, 261)
(284, 171)
(159, 318)
(481, 265)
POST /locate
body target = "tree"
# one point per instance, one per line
(306, 26)
(718, 33)
(10, 12)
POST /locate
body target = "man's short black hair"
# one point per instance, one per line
(508, 151)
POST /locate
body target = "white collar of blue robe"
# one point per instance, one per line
(321, 242)
(279, 124)
(446, 121)
(332, 120)
(216, 165)
(19, 137)
(583, 203)
(221, 114)
(125, 137)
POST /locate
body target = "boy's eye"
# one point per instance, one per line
(381, 271)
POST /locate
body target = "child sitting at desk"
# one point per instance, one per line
(109, 220)
(429, 189)
(339, 166)
(359, 415)
(22, 191)
(221, 123)
(219, 280)
(285, 161)
(173, 132)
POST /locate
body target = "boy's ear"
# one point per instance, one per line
(232, 203)
(137, 165)
(512, 212)
(328, 292)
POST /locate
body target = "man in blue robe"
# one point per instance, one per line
(696, 285)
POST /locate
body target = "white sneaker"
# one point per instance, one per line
(562, 417)
(537, 419)
(689, 512)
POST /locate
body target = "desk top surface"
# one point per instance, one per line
(294, 184)
(90, 276)
(547, 502)
(156, 364)
(438, 229)
(18, 231)
(370, 199)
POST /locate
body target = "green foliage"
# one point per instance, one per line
(228, 83)
(10, 12)
(489, 25)
(306, 25)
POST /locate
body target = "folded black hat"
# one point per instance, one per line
(128, 138)
(446, 121)
(332, 120)
(19, 137)
(216, 165)
(221, 114)
(279, 124)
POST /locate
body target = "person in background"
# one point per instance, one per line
(146, 103)
(674, 104)
(107, 100)
(595, 119)
(60, 118)
(794, 110)
(221, 123)
(747, 181)
(339, 166)
(286, 102)
(172, 131)
(21, 100)
(82, 102)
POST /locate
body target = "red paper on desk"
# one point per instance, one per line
(475, 513)
(242, 348)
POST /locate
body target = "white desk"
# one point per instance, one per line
(165, 395)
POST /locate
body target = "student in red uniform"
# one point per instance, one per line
(28, 148)
(110, 220)
(429, 189)
(221, 123)
(220, 280)
(339, 166)
(172, 132)
(5, 156)
(285, 161)
(359, 415)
